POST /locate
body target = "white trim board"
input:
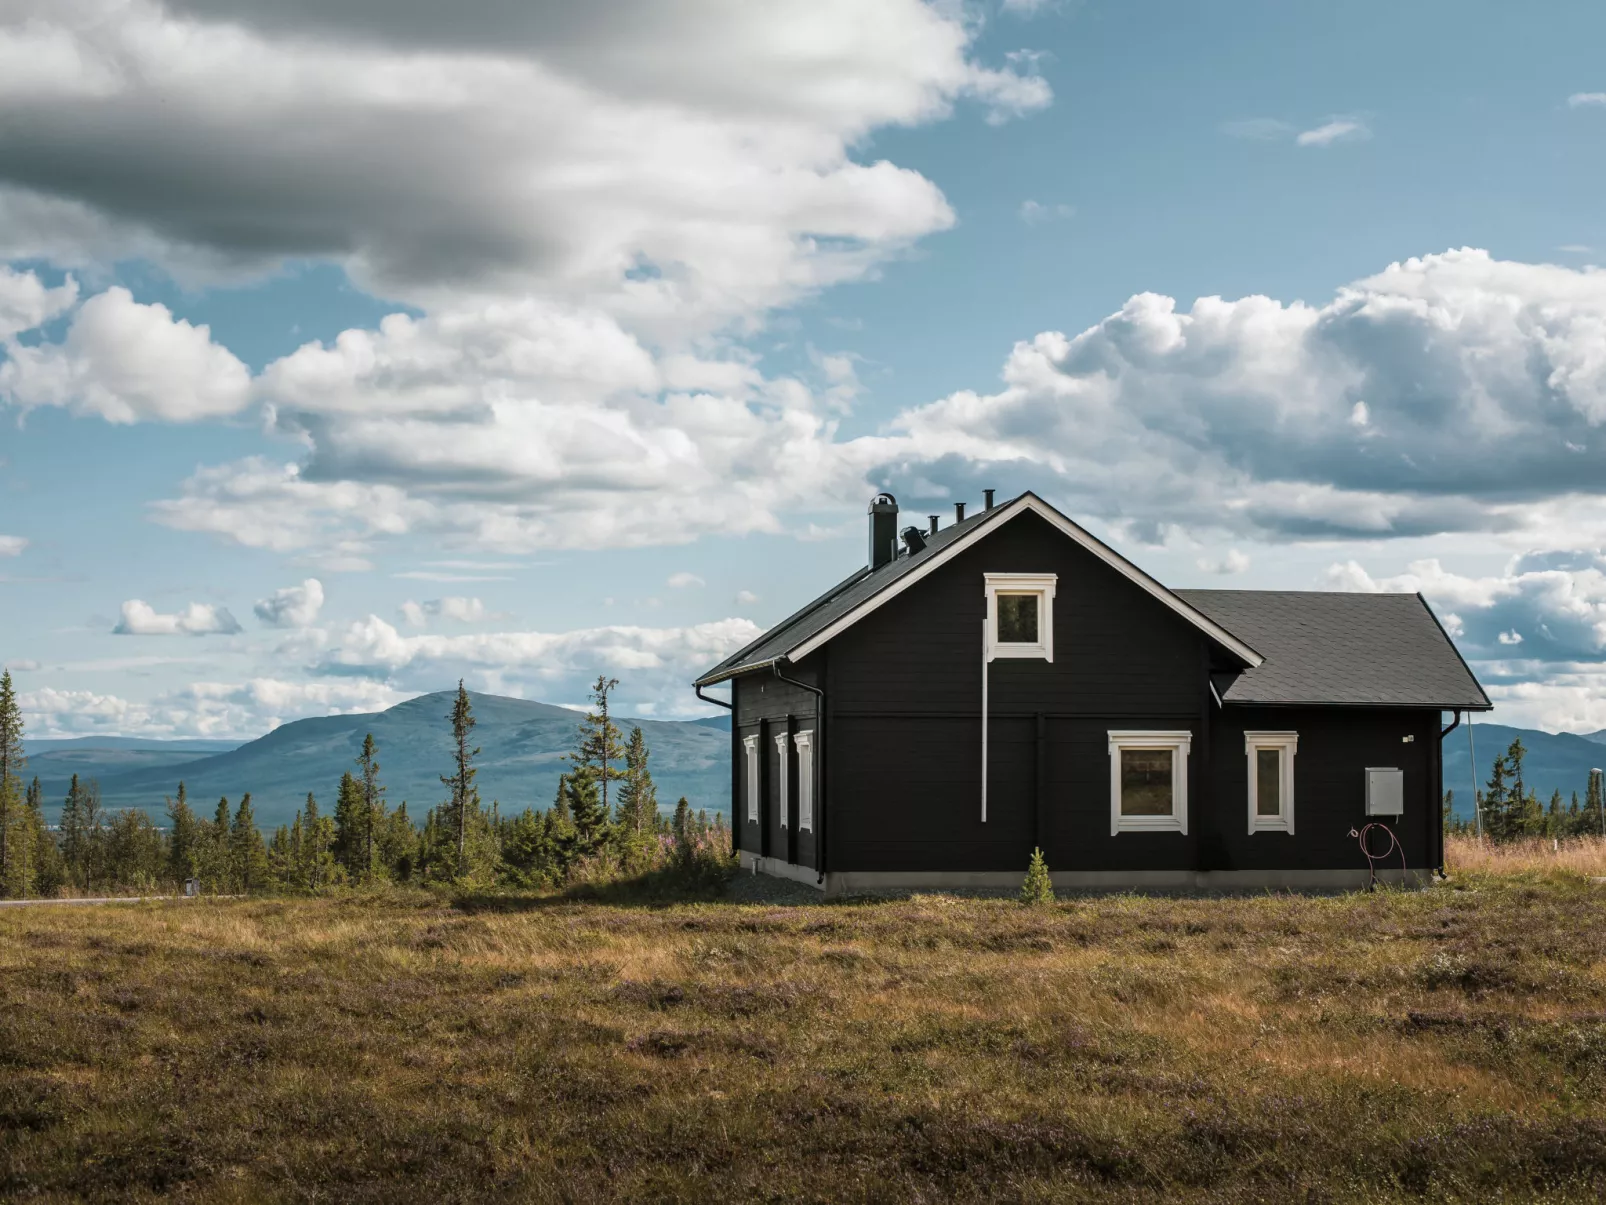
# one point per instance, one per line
(1010, 510)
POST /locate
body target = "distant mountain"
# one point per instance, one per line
(56, 744)
(1554, 761)
(523, 748)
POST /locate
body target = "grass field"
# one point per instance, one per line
(1442, 1044)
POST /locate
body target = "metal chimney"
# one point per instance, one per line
(959, 512)
(933, 519)
(987, 499)
(883, 529)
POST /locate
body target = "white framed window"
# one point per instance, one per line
(805, 780)
(1271, 780)
(1020, 615)
(782, 748)
(1149, 781)
(750, 744)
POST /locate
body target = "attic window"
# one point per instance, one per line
(1020, 615)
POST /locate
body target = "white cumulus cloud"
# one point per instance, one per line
(128, 362)
(292, 606)
(12, 545)
(198, 619)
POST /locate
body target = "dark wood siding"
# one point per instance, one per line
(765, 706)
(905, 700)
(1336, 745)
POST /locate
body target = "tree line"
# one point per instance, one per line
(1510, 809)
(603, 824)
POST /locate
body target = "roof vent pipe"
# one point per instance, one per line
(987, 499)
(959, 512)
(933, 519)
(883, 529)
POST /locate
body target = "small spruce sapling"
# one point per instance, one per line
(1037, 888)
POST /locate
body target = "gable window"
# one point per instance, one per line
(805, 780)
(1020, 615)
(781, 750)
(750, 744)
(1271, 780)
(1149, 781)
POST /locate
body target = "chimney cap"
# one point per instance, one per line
(883, 502)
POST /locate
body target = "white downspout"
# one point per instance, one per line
(984, 677)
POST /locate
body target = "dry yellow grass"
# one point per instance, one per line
(1584, 856)
(1442, 1044)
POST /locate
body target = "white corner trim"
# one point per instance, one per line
(1030, 502)
(1180, 743)
(1043, 586)
(1286, 744)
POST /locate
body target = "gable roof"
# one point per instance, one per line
(850, 600)
(1381, 650)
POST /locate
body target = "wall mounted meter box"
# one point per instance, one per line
(1385, 791)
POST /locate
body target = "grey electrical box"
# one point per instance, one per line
(1385, 791)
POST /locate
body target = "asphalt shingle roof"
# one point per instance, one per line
(1378, 649)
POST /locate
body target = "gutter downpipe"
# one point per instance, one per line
(819, 755)
(1454, 724)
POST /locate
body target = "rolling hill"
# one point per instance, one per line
(523, 746)
(1555, 761)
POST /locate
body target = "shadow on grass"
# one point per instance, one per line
(659, 888)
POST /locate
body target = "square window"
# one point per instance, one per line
(1146, 782)
(1149, 781)
(1020, 615)
(1017, 618)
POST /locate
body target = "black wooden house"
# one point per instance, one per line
(1010, 681)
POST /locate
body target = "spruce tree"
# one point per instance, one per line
(1496, 802)
(373, 807)
(1037, 888)
(48, 874)
(74, 841)
(1594, 818)
(248, 854)
(11, 763)
(638, 797)
(465, 796)
(183, 839)
(599, 745)
(350, 836)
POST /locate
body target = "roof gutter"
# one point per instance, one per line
(715, 702)
(716, 679)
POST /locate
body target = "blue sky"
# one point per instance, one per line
(678, 287)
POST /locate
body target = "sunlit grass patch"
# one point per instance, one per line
(1439, 1044)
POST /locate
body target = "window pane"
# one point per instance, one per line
(1145, 782)
(1268, 782)
(1017, 618)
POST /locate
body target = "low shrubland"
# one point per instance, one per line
(1442, 1044)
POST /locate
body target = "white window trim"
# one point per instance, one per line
(750, 743)
(805, 780)
(1040, 584)
(1287, 744)
(1179, 743)
(781, 749)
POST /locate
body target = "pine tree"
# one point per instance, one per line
(1037, 888)
(1495, 800)
(215, 864)
(1594, 819)
(13, 870)
(248, 855)
(1553, 814)
(584, 807)
(183, 839)
(373, 806)
(599, 739)
(465, 796)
